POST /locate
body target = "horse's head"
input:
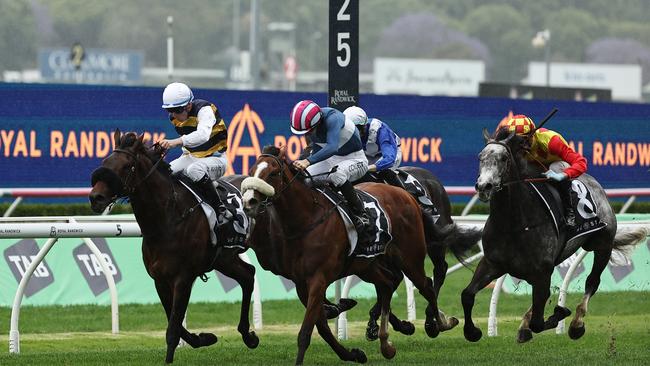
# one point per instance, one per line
(269, 176)
(501, 161)
(118, 176)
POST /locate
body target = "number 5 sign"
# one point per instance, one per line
(343, 54)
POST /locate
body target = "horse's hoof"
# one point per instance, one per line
(406, 328)
(388, 351)
(561, 312)
(331, 311)
(346, 304)
(207, 339)
(372, 332)
(576, 332)
(472, 334)
(251, 340)
(358, 356)
(536, 326)
(431, 329)
(524, 335)
(452, 323)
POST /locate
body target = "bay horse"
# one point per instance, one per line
(304, 239)
(456, 238)
(176, 242)
(520, 238)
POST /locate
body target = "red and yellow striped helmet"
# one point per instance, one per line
(520, 124)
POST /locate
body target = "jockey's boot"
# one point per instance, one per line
(566, 193)
(359, 217)
(390, 176)
(211, 196)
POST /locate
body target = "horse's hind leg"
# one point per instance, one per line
(403, 326)
(387, 348)
(601, 257)
(194, 340)
(440, 266)
(524, 334)
(234, 267)
(483, 275)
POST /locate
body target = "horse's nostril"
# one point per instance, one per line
(476, 187)
(252, 202)
(488, 187)
(96, 197)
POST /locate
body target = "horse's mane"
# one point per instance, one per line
(153, 152)
(519, 145)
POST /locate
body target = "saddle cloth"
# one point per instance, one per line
(587, 219)
(235, 232)
(415, 188)
(381, 228)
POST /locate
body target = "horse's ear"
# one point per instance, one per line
(116, 137)
(283, 151)
(510, 136)
(141, 137)
(486, 135)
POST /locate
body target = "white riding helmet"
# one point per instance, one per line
(356, 115)
(177, 95)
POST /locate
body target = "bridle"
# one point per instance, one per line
(513, 163)
(123, 187)
(285, 183)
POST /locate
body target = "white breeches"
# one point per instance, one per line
(349, 168)
(195, 168)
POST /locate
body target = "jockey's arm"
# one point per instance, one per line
(334, 125)
(203, 129)
(388, 147)
(577, 162)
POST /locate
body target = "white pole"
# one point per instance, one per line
(561, 300)
(170, 48)
(494, 300)
(14, 335)
(257, 299)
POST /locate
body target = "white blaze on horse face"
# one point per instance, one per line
(260, 167)
(248, 194)
(492, 164)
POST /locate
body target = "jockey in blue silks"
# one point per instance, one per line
(380, 144)
(335, 142)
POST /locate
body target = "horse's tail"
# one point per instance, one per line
(627, 239)
(459, 239)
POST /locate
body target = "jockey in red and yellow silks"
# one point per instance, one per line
(550, 150)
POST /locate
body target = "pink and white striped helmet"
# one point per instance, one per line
(305, 115)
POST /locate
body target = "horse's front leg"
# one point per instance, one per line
(165, 294)
(182, 287)
(483, 275)
(234, 267)
(325, 332)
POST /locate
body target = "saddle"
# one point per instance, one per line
(412, 186)
(587, 219)
(230, 219)
(381, 230)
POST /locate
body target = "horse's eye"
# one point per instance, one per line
(503, 158)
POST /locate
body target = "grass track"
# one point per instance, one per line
(618, 332)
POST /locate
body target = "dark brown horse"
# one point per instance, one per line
(305, 240)
(448, 236)
(176, 243)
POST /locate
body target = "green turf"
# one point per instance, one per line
(617, 333)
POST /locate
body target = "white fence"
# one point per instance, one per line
(105, 226)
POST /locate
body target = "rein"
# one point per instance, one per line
(269, 200)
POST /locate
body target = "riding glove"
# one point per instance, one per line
(555, 176)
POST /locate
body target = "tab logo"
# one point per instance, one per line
(91, 268)
(19, 256)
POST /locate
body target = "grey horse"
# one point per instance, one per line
(520, 238)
